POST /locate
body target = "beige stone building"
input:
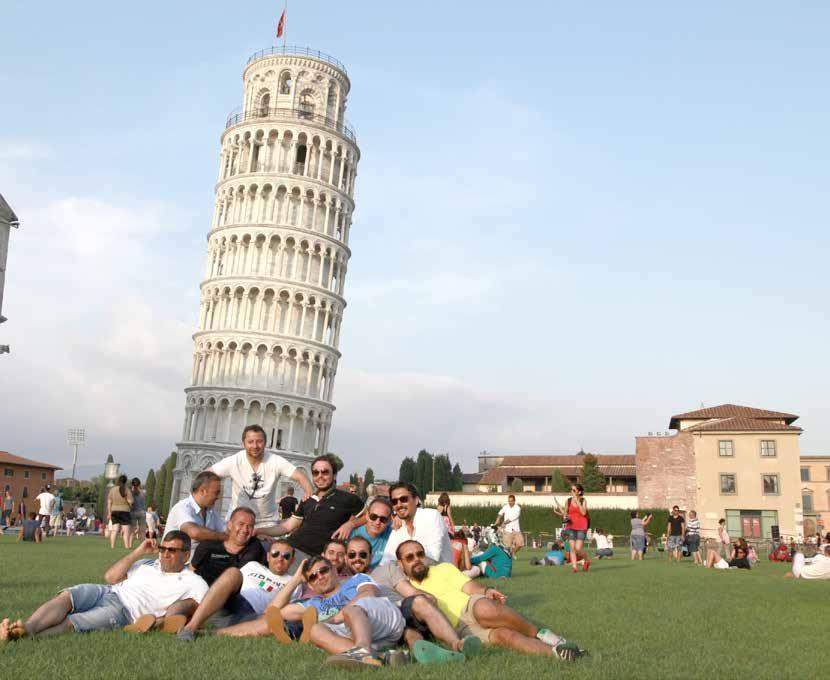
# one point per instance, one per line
(733, 462)
(815, 493)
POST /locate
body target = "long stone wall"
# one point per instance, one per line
(545, 500)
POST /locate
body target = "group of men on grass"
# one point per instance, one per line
(371, 586)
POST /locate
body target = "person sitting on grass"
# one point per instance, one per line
(348, 620)
(555, 557)
(423, 618)
(139, 591)
(477, 610)
(30, 531)
(604, 548)
(219, 563)
(814, 568)
(740, 560)
(378, 527)
(780, 552)
(494, 562)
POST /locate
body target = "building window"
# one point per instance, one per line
(807, 501)
(43, 475)
(25, 492)
(9, 472)
(768, 448)
(728, 484)
(8, 487)
(725, 448)
(805, 474)
(770, 484)
(827, 470)
(25, 474)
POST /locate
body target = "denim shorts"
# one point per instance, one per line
(96, 607)
(693, 543)
(577, 534)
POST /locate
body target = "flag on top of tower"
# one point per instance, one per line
(281, 25)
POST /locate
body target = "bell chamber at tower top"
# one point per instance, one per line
(295, 83)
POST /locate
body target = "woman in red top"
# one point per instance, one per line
(576, 511)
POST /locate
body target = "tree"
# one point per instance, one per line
(457, 478)
(369, 476)
(592, 479)
(517, 485)
(150, 486)
(161, 482)
(443, 473)
(168, 483)
(407, 472)
(558, 481)
(423, 475)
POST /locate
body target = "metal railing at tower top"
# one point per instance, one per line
(239, 116)
(299, 51)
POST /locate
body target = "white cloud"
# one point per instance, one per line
(23, 150)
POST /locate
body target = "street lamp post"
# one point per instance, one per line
(75, 437)
(111, 471)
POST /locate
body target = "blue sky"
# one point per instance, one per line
(572, 222)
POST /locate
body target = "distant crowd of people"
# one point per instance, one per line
(371, 584)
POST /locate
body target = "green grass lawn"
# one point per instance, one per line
(638, 620)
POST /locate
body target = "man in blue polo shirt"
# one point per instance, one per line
(377, 529)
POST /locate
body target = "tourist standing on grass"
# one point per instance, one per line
(693, 536)
(255, 475)
(21, 512)
(676, 531)
(136, 586)
(8, 507)
(138, 511)
(444, 508)
(475, 609)
(151, 519)
(195, 514)
(575, 515)
(723, 536)
(329, 513)
(420, 524)
(119, 502)
(56, 516)
(44, 513)
(508, 518)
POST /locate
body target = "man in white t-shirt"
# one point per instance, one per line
(508, 519)
(45, 500)
(255, 474)
(813, 568)
(424, 525)
(138, 588)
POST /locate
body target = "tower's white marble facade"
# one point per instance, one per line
(272, 299)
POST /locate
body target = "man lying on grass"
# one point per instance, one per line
(137, 587)
(476, 610)
(348, 620)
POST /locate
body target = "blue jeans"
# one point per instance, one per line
(96, 607)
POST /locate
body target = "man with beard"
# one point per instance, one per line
(328, 514)
(422, 616)
(477, 610)
(418, 524)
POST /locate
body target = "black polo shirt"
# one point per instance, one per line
(212, 558)
(287, 506)
(322, 518)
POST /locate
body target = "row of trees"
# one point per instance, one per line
(430, 472)
(158, 486)
(592, 480)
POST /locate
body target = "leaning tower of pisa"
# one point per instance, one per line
(272, 297)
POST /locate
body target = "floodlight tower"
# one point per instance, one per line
(75, 437)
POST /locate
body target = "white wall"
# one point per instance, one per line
(595, 500)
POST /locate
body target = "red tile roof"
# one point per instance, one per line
(6, 457)
(576, 459)
(498, 475)
(731, 411)
(742, 425)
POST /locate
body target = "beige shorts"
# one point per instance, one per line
(514, 539)
(467, 624)
(54, 521)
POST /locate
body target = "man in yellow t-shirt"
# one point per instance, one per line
(477, 610)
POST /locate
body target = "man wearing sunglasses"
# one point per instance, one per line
(219, 563)
(377, 529)
(418, 524)
(348, 620)
(255, 474)
(329, 513)
(140, 589)
(422, 617)
(477, 610)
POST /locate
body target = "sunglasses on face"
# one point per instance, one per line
(400, 499)
(164, 549)
(411, 557)
(383, 519)
(314, 575)
(319, 473)
(358, 553)
(284, 555)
